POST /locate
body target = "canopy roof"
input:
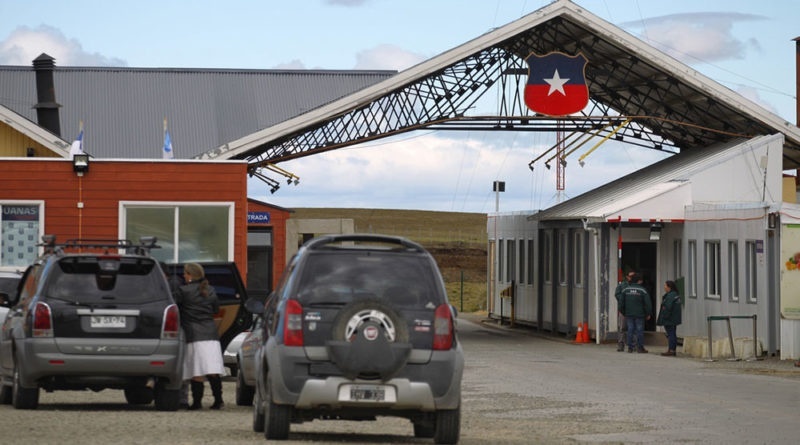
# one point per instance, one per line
(663, 103)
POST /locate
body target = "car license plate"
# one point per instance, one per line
(107, 321)
(367, 393)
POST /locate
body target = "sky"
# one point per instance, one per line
(745, 45)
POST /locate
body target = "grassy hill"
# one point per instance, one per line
(457, 240)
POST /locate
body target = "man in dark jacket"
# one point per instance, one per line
(621, 326)
(635, 305)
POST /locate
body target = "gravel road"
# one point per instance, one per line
(518, 388)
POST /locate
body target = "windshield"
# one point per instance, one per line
(93, 280)
(337, 278)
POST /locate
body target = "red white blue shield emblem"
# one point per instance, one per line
(556, 84)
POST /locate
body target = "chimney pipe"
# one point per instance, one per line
(46, 108)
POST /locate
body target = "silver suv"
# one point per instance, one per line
(93, 315)
(359, 327)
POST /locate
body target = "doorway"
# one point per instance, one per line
(259, 262)
(643, 258)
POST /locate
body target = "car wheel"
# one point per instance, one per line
(448, 426)
(424, 429)
(166, 399)
(359, 314)
(258, 412)
(234, 370)
(138, 395)
(278, 417)
(23, 398)
(5, 394)
(244, 392)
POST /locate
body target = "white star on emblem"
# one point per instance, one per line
(556, 84)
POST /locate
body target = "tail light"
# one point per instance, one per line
(442, 328)
(172, 322)
(293, 324)
(42, 323)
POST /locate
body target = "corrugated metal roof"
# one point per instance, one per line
(123, 108)
(612, 199)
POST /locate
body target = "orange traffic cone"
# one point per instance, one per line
(579, 335)
(586, 338)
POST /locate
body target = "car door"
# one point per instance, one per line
(13, 324)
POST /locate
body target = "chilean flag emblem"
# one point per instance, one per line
(556, 84)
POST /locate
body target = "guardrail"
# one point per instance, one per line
(728, 318)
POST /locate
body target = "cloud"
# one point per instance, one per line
(295, 64)
(698, 37)
(387, 57)
(446, 171)
(349, 3)
(25, 44)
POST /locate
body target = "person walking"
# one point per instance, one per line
(669, 316)
(636, 307)
(622, 329)
(198, 302)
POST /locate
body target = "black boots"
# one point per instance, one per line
(215, 381)
(197, 395)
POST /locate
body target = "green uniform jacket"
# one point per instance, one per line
(635, 302)
(670, 312)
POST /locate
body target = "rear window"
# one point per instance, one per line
(406, 280)
(89, 280)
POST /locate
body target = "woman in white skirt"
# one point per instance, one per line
(198, 303)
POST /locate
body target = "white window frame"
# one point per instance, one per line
(691, 272)
(751, 270)
(123, 220)
(733, 270)
(713, 269)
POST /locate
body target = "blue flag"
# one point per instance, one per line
(77, 144)
(167, 146)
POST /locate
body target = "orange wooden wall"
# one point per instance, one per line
(278, 217)
(108, 182)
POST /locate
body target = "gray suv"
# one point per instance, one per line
(93, 315)
(359, 327)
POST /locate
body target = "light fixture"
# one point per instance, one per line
(80, 163)
(655, 231)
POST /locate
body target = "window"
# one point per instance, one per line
(510, 254)
(751, 270)
(21, 230)
(677, 256)
(733, 270)
(185, 232)
(547, 257)
(713, 269)
(522, 258)
(563, 258)
(691, 285)
(578, 258)
(530, 261)
(500, 259)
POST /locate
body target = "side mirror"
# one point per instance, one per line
(254, 306)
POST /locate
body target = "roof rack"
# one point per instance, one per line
(146, 243)
(325, 240)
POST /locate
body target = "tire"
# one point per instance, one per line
(354, 315)
(167, 399)
(448, 426)
(424, 430)
(244, 392)
(23, 398)
(5, 394)
(234, 370)
(277, 417)
(258, 413)
(139, 395)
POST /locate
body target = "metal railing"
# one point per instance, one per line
(727, 319)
